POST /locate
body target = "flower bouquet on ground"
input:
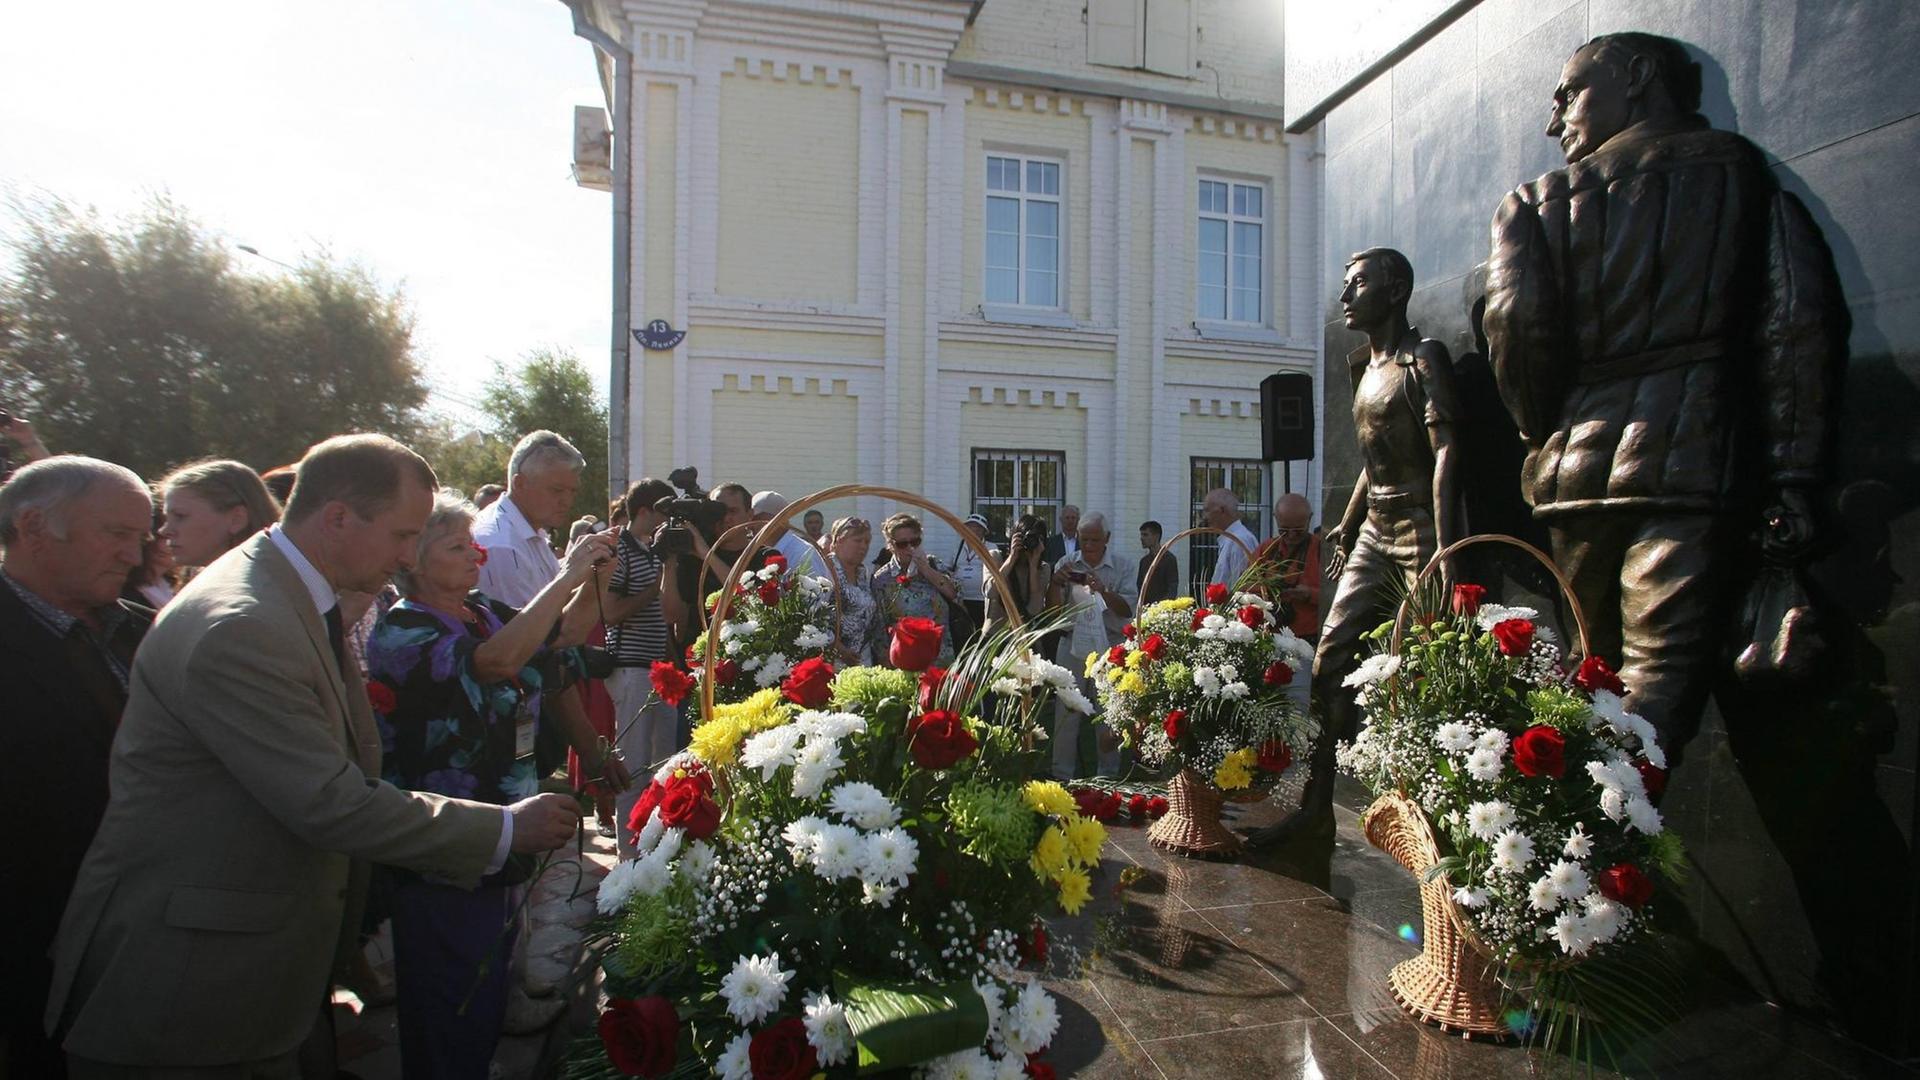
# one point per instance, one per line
(1523, 793)
(777, 619)
(843, 873)
(1202, 690)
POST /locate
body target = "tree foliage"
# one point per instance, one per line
(143, 343)
(547, 388)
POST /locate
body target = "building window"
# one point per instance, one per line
(1008, 483)
(1153, 34)
(1232, 244)
(1248, 479)
(1023, 231)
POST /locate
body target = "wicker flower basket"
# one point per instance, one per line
(1191, 826)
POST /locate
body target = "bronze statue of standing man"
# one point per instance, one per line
(1405, 505)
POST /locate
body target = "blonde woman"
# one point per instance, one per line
(210, 507)
(847, 544)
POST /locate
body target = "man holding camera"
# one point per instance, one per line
(637, 617)
(1097, 585)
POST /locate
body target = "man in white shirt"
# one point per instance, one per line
(543, 477)
(802, 557)
(970, 573)
(1097, 585)
(1222, 511)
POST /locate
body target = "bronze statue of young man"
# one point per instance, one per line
(1405, 505)
(1663, 325)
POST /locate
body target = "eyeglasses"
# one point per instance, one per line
(900, 543)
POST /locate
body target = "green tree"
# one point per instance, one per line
(141, 342)
(463, 458)
(551, 389)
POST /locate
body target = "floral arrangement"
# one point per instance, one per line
(1538, 782)
(777, 620)
(847, 871)
(1204, 687)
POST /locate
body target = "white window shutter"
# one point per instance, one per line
(1114, 30)
(1169, 37)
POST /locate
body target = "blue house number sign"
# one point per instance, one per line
(659, 335)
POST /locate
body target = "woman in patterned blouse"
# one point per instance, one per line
(912, 582)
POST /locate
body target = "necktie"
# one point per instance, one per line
(336, 636)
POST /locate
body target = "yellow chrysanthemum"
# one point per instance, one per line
(1084, 837)
(1178, 603)
(1236, 771)
(1047, 797)
(1093, 661)
(1115, 674)
(717, 741)
(764, 710)
(1075, 888)
(1132, 683)
(1137, 659)
(1049, 854)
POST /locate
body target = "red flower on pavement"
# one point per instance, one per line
(1624, 882)
(1652, 777)
(642, 1038)
(1157, 806)
(1278, 673)
(940, 739)
(1514, 635)
(672, 684)
(481, 555)
(688, 804)
(1217, 594)
(1175, 725)
(1540, 751)
(1467, 598)
(781, 1052)
(809, 684)
(1251, 615)
(1039, 1070)
(1107, 807)
(1154, 646)
(381, 697)
(1594, 674)
(916, 643)
(1117, 655)
(1275, 756)
(1033, 947)
(1137, 808)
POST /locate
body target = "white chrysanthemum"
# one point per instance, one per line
(1512, 851)
(1031, 1020)
(773, 668)
(741, 628)
(1051, 673)
(1568, 879)
(995, 999)
(1238, 633)
(880, 896)
(1234, 691)
(1010, 1067)
(1487, 820)
(1007, 686)
(682, 760)
(652, 874)
(698, 861)
(649, 833)
(1375, 669)
(1642, 815)
(1470, 898)
(966, 1065)
(814, 766)
(803, 836)
(829, 725)
(669, 848)
(1570, 931)
(1454, 737)
(1579, 844)
(812, 637)
(1650, 748)
(1214, 622)
(754, 988)
(861, 804)
(827, 1029)
(1491, 615)
(1074, 699)
(1492, 739)
(1604, 918)
(1228, 673)
(1542, 895)
(888, 856)
(838, 851)
(617, 886)
(1613, 803)
(1208, 680)
(1484, 765)
(735, 1063)
(769, 750)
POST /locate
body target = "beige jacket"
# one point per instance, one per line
(206, 916)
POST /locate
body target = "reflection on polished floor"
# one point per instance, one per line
(1265, 968)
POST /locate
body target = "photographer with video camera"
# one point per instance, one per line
(637, 614)
(692, 523)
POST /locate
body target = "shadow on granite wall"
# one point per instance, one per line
(1809, 899)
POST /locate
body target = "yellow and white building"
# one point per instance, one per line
(1010, 254)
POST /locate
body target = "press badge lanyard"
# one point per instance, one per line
(525, 716)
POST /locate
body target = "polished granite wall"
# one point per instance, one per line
(1419, 158)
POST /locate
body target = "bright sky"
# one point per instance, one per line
(429, 140)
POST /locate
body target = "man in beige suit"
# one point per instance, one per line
(228, 869)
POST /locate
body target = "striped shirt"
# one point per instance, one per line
(641, 639)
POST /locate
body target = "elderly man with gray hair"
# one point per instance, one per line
(1221, 510)
(802, 557)
(1097, 584)
(71, 529)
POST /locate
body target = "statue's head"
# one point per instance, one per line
(1617, 80)
(1378, 282)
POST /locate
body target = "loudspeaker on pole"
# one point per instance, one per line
(1286, 416)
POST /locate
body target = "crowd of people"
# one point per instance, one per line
(356, 675)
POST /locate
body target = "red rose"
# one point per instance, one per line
(770, 593)
(1624, 882)
(1199, 616)
(1253, 616)
(643, 808)
(939, 739)
(380, 696)
(1039, 1070)
(1217, 594)
(808, 684)
(1129, 630)
(725, 671)
(931, 680)
(1278, 673)
(916, 643)
(1033, 948)
(1466, 599)
(687, 805)
(1155, 646)
(481, 554)
(1540, 751)
(781, 1052)
(1594, 674)
(1137, 808)
(1514, 635)
(1175, 724)
(1157, 806)
(642, 1038)
(1275, 756)
(672, 684)
(1117, 655)
(1652, 777)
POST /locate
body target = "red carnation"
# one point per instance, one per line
(1137, 808)
(1217, 594)
(672, 684)
(1595, 675)
(1624, 882)
(809, 684)
(642, 1038)
(770, 593)
(1199, 616)
(1107, 807)
(1157, 806)
(1652, 777)
(1039, 1070)
(380, 696)
(481, 552)
(1117, 655)
(1540, 751)
(1129, 630)
(1175, 724)
(775, 560)
(940, 739)
(1275, 756)
(1253, 616)
(643, 808)
(1033, 947)
(930, 682)
(1514, 635)
(1278, 673)
(1467, 598)
(725, 671)
(781, 1052)
(1155, 646)
(916, 643)
(688, 805)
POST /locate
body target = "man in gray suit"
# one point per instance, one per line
(229, 868)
